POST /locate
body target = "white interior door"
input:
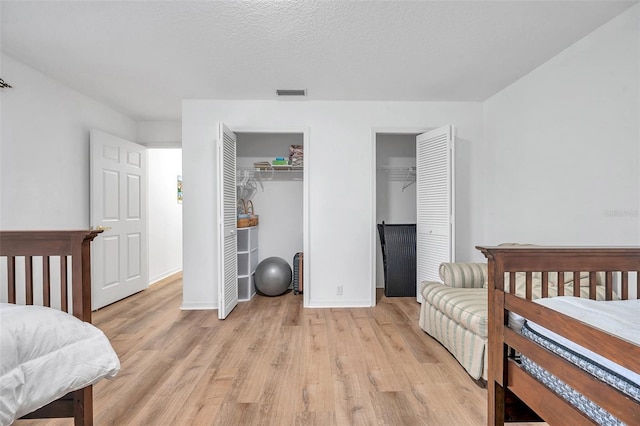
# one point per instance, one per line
(119, 261)
(435, 192)
(227, 261)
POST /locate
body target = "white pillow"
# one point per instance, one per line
(46, 353)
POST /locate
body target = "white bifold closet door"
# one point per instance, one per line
(227, 213)
(435, 191)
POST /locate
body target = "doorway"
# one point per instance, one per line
(278, 194)
(395, 187)
(165, 212)
(434, 197)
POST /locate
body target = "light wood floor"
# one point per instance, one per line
(271, 362)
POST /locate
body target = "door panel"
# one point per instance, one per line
(435, 193)
(118, 203)
(133, 197)
(111, 203)
(111, 248)
(227, 193)
(134, 247)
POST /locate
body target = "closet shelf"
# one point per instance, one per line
(406, 174)
(246, 174)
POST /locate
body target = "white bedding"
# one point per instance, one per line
(619, 317)
(46, 353)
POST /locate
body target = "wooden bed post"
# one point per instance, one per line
(81, 268)
(496, 351)
(83, 407)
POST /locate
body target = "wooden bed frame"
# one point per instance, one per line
(62, 244)
(506, 377)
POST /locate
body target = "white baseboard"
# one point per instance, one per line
(198, 306)
(164, 275)
(354, 303)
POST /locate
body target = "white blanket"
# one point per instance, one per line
(46, 353)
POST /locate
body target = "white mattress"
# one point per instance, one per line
(45, 354)
(619, 317)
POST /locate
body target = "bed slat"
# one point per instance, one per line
(28, 275)
(11, 278)
(625, 285)
(46, 282)
(608, 283)
(576, 284)
(63, 284)
(560, 286)
(592, 285)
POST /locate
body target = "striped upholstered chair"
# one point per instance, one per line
(454, 312)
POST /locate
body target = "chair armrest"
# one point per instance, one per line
(423, 284)
(464, 275)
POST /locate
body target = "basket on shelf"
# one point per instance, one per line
(248, 217)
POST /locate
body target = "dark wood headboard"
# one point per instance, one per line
(47, 244)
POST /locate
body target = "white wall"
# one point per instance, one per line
(44, 152)
(44, 161)
(340, 171)
(160, 134)
(165, 214)
(564, 143)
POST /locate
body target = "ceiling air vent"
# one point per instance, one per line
(291, 92)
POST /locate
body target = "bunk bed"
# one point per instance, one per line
(521, 359)
(51, 354)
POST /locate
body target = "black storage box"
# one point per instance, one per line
(399, 257)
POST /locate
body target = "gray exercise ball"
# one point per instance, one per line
(273, 276)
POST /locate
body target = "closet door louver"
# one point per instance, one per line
(228, 268)
(435, 192)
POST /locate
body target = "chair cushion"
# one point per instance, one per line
(466, 306)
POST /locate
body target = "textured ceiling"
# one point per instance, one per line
(143, 58)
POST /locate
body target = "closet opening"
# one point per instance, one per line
(414, 186)
(395, 212)
(270, 180)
